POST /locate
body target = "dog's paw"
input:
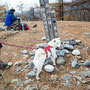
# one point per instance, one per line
(37, 78)
(54, 64)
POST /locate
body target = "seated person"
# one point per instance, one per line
(11, 20)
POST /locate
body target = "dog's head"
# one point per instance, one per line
(55, 43)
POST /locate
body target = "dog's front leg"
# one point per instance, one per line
(53, 59)
(53, 56)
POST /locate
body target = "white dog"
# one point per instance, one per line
(41, 55)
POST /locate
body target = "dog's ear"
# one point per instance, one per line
(54, 41)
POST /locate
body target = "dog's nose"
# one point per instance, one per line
(57, 48)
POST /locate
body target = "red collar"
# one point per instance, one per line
(47, 48)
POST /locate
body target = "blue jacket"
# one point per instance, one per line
(10, 18)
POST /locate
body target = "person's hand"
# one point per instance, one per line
(18, 18)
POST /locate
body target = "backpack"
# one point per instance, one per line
(25, 27)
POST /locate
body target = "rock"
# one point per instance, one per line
(20, 63)
(31, 87)
(65, 51)
(80, 47)
(24, 51)
(32, 57)
(43, 38)
(14, 80)
(67, 82)
(17, 63)
(25, 56)
(87, 63)
(26, 78)
(48, 61)
(26, 66)
(75, 64)
(27, 71)
(23, 63)
(72, 72)
(85, 74)
(10, 64)
(49, 68)
(3, 37)
(61, 53)
(68, 47)
(15, 32)
(88, 87)
(27, 81)
(66, 42)
(35, 25)
(7, 67)
(61, 67)
(22, 70)
(67, 76)
(76, 52)
(78, 57)
(18, 69)
(85, 81)
(61, 47)
(86, 33)
(72, 42)
(31, 64)
(54, 78)
(45, 87)
(19, 83)
(42, 45)
(31, 74)
(32, 53)
(78, 41)
(78, 83)
(78, 78)
(75, 46)
(61, 61)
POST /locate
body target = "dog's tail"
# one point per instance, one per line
(31, 64)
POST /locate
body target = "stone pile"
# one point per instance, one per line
(69, 49)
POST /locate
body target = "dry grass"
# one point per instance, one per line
(66, 29)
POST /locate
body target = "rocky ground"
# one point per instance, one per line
(73, 71)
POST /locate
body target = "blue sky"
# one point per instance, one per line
(28, 3)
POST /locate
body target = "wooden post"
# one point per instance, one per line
(48, 18)
(54, 24)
